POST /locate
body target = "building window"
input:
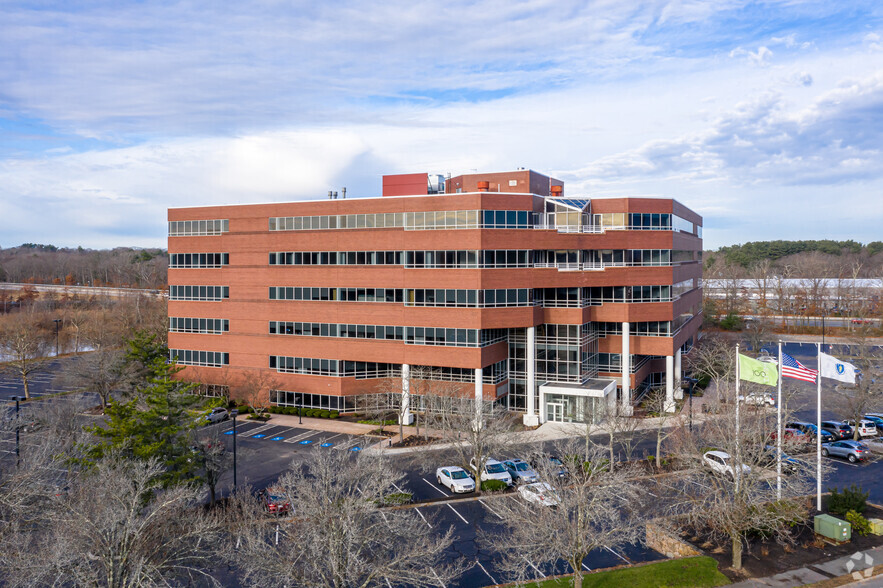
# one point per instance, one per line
(206, 293)
(198, 228)
(200, 358)
(198, 260)
(208, 326)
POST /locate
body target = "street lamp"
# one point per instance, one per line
(234, 413)
(56, 335)
(300, 409)
(688, 384)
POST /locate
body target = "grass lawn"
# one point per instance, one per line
(674, 573)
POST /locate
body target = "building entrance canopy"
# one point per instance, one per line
(577, 403)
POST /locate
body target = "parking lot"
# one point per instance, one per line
(41, 383)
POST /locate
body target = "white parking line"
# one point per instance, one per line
(494, 580)
(442, 584)
(587, 568)
(489, 508)
(530, 563)
(423, 517)
(436, 487)
(458, 514)
(617, 555)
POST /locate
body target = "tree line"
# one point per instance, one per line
(781, 253)
(48, 264)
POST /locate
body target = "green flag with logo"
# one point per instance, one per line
(757, 371)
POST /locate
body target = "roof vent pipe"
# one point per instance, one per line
(330, 195)
(343, 193)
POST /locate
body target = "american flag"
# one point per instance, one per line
(791, 368)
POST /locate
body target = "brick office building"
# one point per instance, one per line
(553, 305)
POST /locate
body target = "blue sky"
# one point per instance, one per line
(765, 117)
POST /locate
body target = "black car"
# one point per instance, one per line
(810, 429)
(839, 430)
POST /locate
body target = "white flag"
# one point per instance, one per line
(831, 367)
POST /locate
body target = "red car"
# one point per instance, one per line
(792, 437)
(274, 501)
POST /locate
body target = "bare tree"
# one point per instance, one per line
(343, 536)
(25, 346)
(666, 422)
(113, 527)
(727, 505)
(620, 429)
(211, 454)
(456, 419)
(102, 372)
(595, 507)
(255, 388)
(859, 399)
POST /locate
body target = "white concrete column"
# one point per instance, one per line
(530, 357)
(669, 383)
(405, 415)
(626, 407)
(479, 397)
(679, 392)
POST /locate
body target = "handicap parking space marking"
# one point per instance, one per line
(276, 438)
(356, 448)
(305, 442)
(258, 436)
(326, 444)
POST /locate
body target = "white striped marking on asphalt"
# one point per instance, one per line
(387, 582)
(256, 431)
(458, 514)
(587, 568)
(423, 517)
(617, 555)
(489, 508)
(494, 580)
(442, 584)
(530, 563)
(436, 487)
(301, 437)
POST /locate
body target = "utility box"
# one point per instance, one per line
(876, 526)
(832, 528)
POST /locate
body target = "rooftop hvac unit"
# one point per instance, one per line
(435, 184)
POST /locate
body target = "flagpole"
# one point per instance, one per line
(779, 430)
(737, 467)
(819, 430)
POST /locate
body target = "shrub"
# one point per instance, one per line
(851, 498)
(312, 412)
(860, 524)
(274, 410)
(324, 413)
(397, 498)
(731, 322)
(334, 414)
(493, 485)
(243, 409)
(301, 412)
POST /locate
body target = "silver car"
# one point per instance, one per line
(217, 415)
(521, 471)
(851, 450)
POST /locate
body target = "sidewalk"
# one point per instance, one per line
(860, 563)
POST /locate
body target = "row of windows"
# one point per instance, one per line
(208, 326)
(195, 228)
(338, 294)
(640, 329)
(198, 260)
(493, 374)
(304, 400)
(212, 293)
(489, 258)
(410, 335)
(469, 298)
(201, 358)
(425, 220)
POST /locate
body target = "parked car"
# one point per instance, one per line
(874, 418)
(767, 359)
(810, 429)
(557, 467)
(493, 470)
(792, 437)
(455, 479)
(852, 450)
(866, 428)
(758, 399)
(521, 471)
(274, 501)
(720, 462)
(839, 430)
(217, 415)
(766, 457)
(540, 493)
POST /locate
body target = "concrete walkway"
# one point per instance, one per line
(859, 565)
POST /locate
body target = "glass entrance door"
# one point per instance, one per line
(555, 412)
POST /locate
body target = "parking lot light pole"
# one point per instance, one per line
(688, 383)
(300, 410)
(234, 413)
(56, 335)
(17, 432)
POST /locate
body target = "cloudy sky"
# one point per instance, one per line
(766, 117)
